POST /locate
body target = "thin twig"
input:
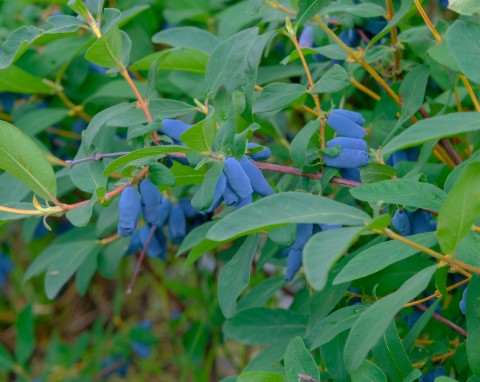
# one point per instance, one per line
(443, 320)
(141, 258)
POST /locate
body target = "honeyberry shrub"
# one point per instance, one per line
(298, 182)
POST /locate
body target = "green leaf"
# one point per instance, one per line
(107, 50)
(235, 276)
(116, 89)
(200, 137)
(412, 92)
(7, 362)
(79, 7)
(434, 128)
(277, 96)
(298, 360)
(460, 210)
(203, 198)
(17, 43)
(37, 120)
(380, 256)
(154, 152)
(391, 356)
(323, 250)
(264, 325)
(85, 273)
(462, 38)
(187, 37)
(261, 292)
(376, 172)
(308, 9)
(364, 335)
(184, 59)
(260, 376)
(401, 191)
(361, 10)
(110, 258)
(20, 157)
(334, 80)
(25, 344)
(473, 325)
(305, 146)
(369, 372)
(327, 329)
(87, 176)
(169, 108)
(414, 333)
(16, 80)
(284, 208)
(102, 118)
(61, 269)
(464, 7)
(80, 216)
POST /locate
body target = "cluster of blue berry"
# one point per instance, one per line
(411, 223)
(295, 252)
(240, 178)
(353, 147)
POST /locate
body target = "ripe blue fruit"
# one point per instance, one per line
(237, 179)
(129, 208)
(401, 222)
(350, 37)
(163, 212)
(135, 243)
(348, 143)
(142, 349)
(294, 263)
(187, 208)
(218, 194)
(420, 221)
(151, 199)
(353, 116)
(347, 158)
(230, 197)
(263, 154)
(351, 174)
(304, 232)
(155, 248)
(463, 302)
(257, 180)
(174, 128)
(177, 224)
(306, 37)
(328, 227)
(244, 201)
(6, 266)
(345, 127)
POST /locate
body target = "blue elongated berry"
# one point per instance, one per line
(237, 179)
(420, 221)
(177, 224)
(263, 154)
(163, 212)
(162, 240)
(306, 38)
(79, 125)
(353, 116)
(304, 232)
(347, 158)
(218, 194)
(399, 156)
(151, 199)
(141, 349)
(155, 248)
(345, 127)
(187, 208)
(294, 263)
(374, 25)
(351, 174)
(328, 227)
(135, 243)
(463, 302)
(94, 68)
(6, 266)
(348, 143)
(174, 128)
(401, 222)
(230, 197)
(244, 201)
(437, 372)
(413, 153)
(350, 37)
(129, 208)
(257, 180)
